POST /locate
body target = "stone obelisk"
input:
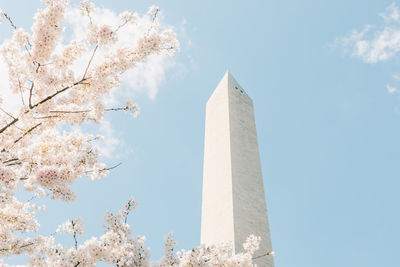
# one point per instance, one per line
(233, 204)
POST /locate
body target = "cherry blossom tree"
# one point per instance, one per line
(40, 154)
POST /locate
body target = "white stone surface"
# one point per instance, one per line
(233, 204)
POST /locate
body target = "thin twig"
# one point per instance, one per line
(58, 92)
(20, 91)
(106, 169)
(120, 26)
(30, 95)
(47, 117)
(8, 125)
(44, 101)
(76, 241)
(93, 139)
(152, 22)
(27, 41)
(127, 211)
(69, 111)
(90, 61)
(23, 246)
(7, 113)
(32, 198)
(27, 132)
(9, 19)
(263, 255)
(116, 109)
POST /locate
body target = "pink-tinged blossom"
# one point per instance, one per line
(38, 156)
(47, 177)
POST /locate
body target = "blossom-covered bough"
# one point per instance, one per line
(41, 154)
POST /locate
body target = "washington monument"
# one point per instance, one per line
(233, 200)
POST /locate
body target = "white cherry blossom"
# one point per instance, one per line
(42, 156)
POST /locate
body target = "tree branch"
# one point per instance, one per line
(152, 22)
(7, 113)
(47, 117)
(9, 20)
(120, 26)
(23, 246)
(106, 169)
(263, 255)
(27, 132)
(20, 91)
(90, 61)
(116, 109)
(30, 95)
(69, 111)
(76, 241)
(8, 125)
(58, 92)
(7, 161)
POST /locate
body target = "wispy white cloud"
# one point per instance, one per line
(391, 89)
(144, 78)
(147, 76)
(391, 14)
(109, 144)
(10, 102)
(375, 43)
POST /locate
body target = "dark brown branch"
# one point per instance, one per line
(263, 255)
(27, 245)
(7, 161)
(27, 132)
(58, 92)
(30, 95)
(8, 125)
(14, 163)
(44, 101)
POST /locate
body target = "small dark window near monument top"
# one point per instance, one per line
(237, 88)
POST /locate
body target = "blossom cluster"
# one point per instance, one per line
(39, 151)
(117, 246)
(43, 151)
(216, 255)
(72, 227)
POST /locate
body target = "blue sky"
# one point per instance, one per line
(328, 128)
